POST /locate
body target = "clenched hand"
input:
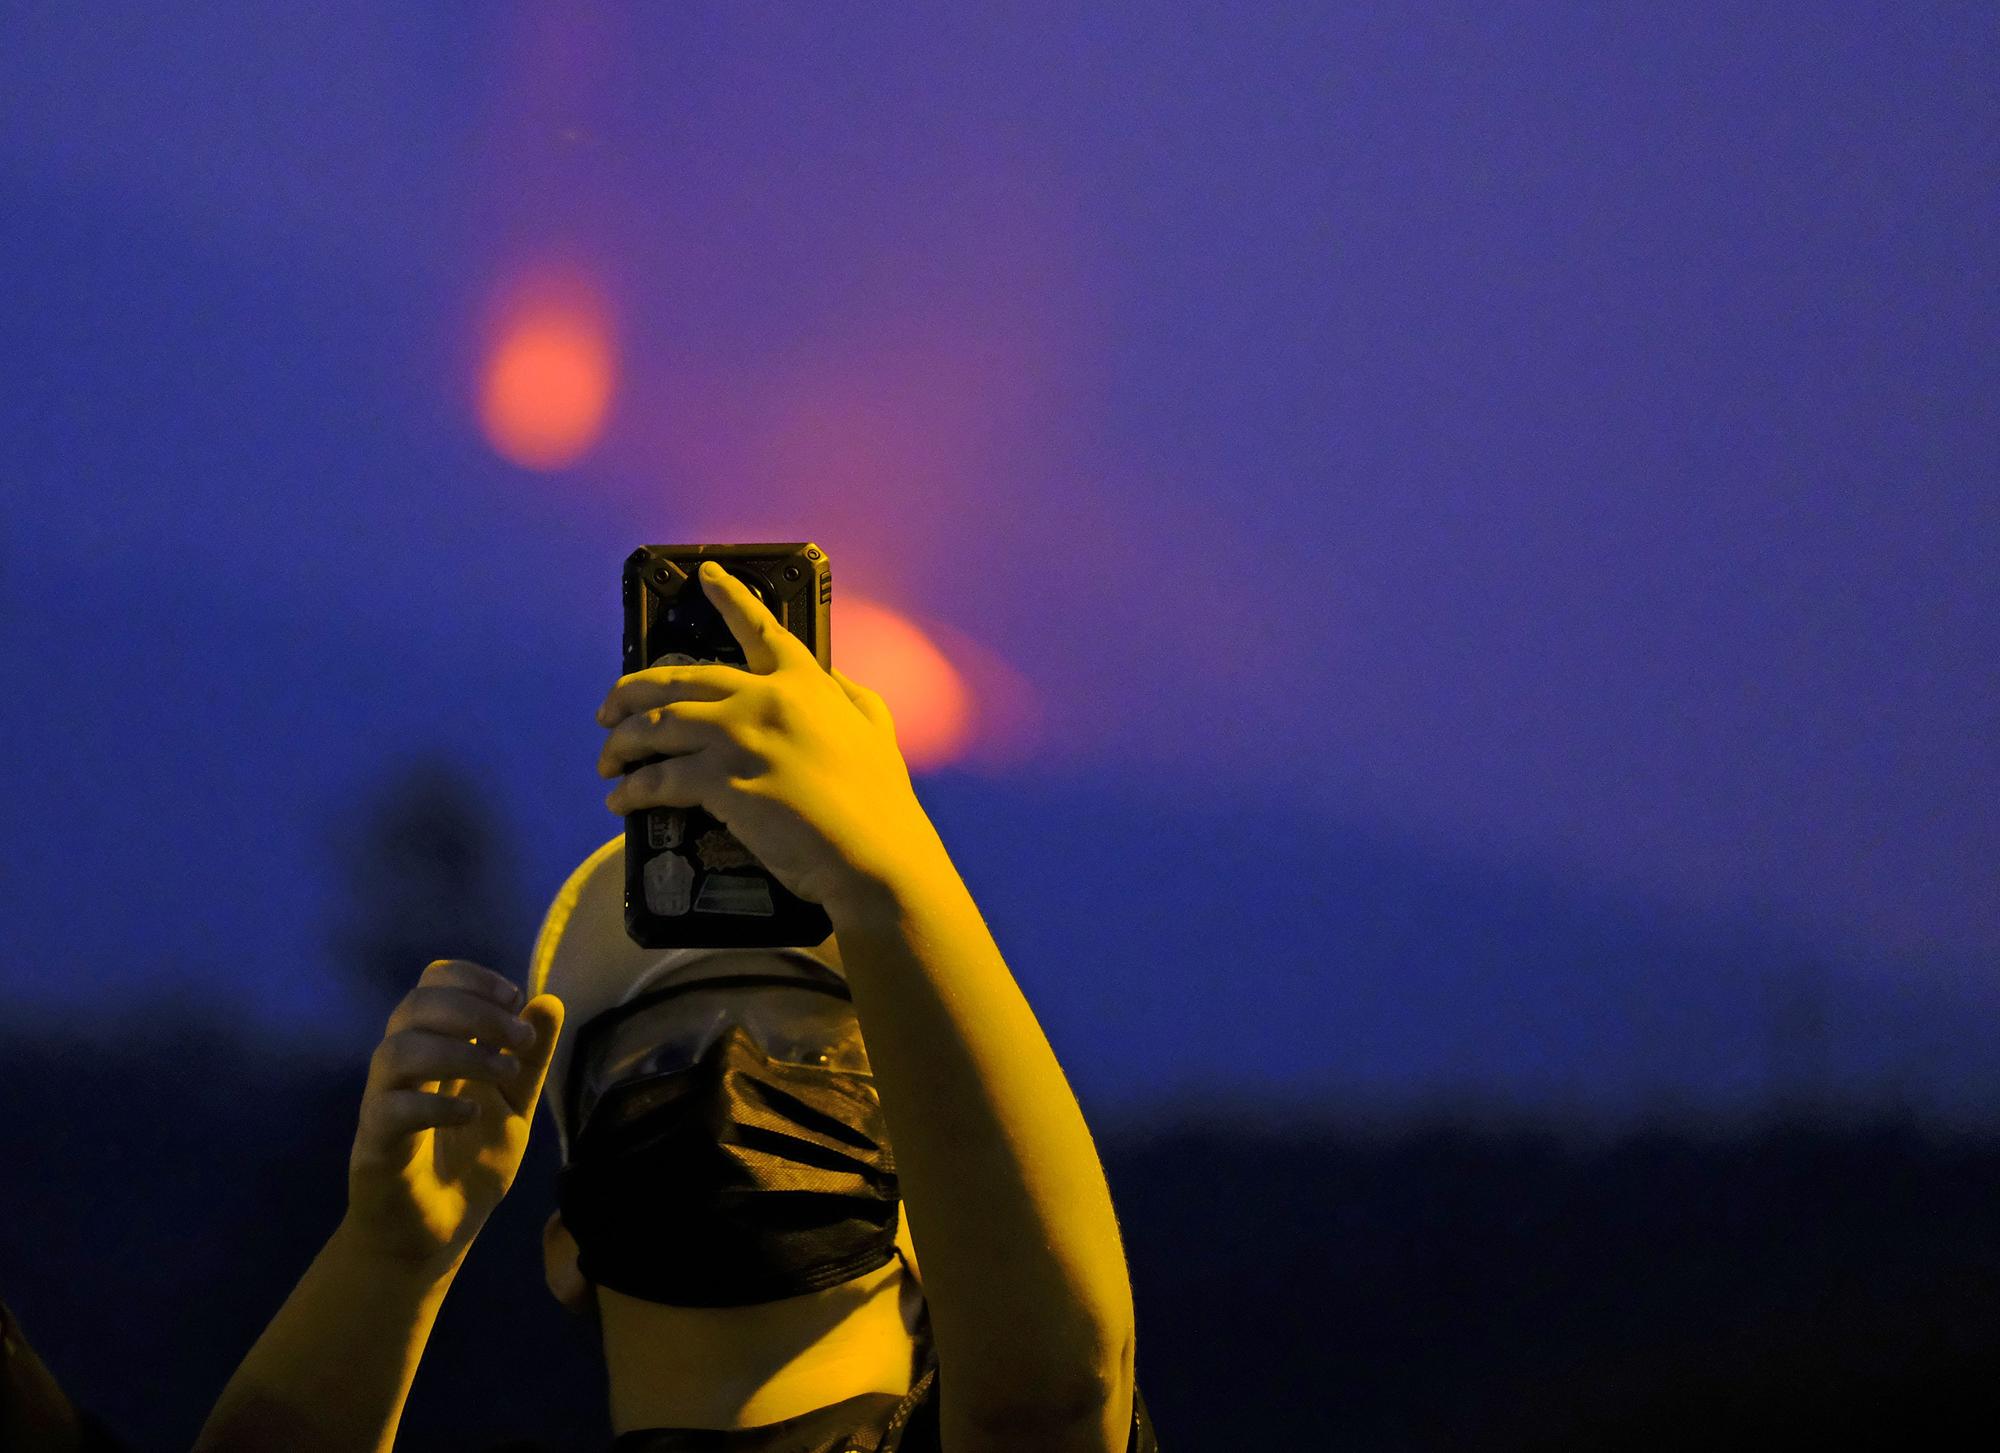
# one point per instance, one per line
(444, 1119)
(799, 762)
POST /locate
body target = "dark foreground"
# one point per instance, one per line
(1811, 1285)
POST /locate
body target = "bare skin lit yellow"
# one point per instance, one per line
(1021, 1269)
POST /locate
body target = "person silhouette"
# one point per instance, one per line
(756, 1144)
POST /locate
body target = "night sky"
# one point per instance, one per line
(1470, 533)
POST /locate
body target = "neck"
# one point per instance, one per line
(739, 1367)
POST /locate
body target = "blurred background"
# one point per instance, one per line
(1435, 566)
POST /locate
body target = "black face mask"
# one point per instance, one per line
(736, 1180)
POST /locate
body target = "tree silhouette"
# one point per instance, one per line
(1800, 1083)
(427, 875)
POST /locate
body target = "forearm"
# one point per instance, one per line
(332, 1371)
(1007, 1200)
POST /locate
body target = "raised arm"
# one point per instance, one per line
(1022, 1264)
(1007, 1201)
(444, 1121)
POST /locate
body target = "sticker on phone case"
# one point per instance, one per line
(665, 826)
(734, 893)
(669, 879)
(718, 848)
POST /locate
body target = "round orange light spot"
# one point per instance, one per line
(925, 693)
(546, 387)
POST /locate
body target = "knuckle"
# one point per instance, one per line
(398, 1052)
(752, 757)
(416, 1004)
(620, 748)
(742, 778)
(744, 755)
(422, 1053)
(446, 1012)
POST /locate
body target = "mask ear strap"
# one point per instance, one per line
(923, 1349)
(923, 1319)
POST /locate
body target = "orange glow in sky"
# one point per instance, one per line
(926, 694)
(546, 382)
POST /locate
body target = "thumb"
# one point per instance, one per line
(543, 1014)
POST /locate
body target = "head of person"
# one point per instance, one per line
(721, 1141)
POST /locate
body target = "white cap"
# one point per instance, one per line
(584, 957)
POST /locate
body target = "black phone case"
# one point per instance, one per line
(688, 882)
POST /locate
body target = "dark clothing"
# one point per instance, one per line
(874, 1422)
(863, 1422)
(35, 1415)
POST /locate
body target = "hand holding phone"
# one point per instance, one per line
(760, 785)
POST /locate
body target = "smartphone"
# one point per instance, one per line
(688, 882)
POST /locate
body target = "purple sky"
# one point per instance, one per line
(1562, 442)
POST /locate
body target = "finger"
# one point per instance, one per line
(766, 644)
(685, 781)
(681, 726)
(544, 1015)
(473, 978)
(658, 685)
(396, 1115)
(412, 1057)
(461, 1015)
(868, 701)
